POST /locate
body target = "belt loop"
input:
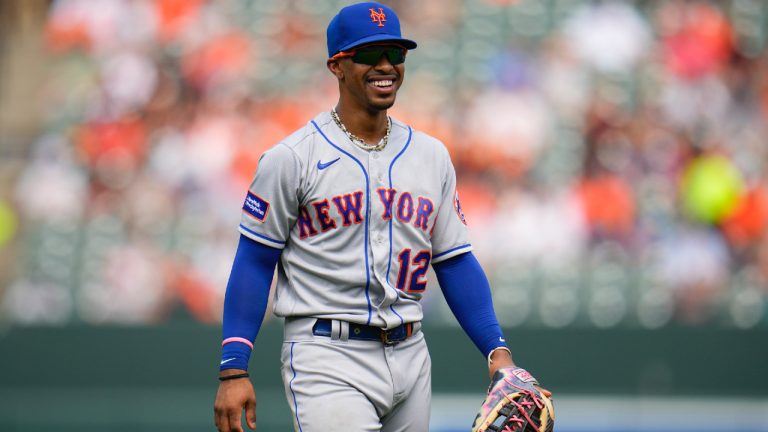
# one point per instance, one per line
(344, 331)
(335, 329)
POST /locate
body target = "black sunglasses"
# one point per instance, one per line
(370, 55)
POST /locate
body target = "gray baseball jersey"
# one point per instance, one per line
(358, 228)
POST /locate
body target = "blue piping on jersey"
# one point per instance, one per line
(367, 217)
(389, 263)
(260, 235)
(290, 385)
(450, 250)
(392, 308)
(390, 186)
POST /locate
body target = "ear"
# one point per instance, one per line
(335, 68)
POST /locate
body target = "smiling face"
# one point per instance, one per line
(371, 88)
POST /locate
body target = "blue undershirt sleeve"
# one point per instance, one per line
(245, 301)
(468, 293)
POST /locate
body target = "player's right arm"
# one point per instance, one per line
(245, 304)
(268, 214)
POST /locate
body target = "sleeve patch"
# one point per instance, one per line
(256, 206)
(457, 206)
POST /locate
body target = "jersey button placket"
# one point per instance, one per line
(379, 227)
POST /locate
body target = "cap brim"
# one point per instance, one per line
(380, 38)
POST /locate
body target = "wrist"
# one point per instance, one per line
(234, 356)
(498, 358)
(499, 355)
(228, 372)
(233, 375)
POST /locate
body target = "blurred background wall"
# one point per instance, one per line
(612, 165)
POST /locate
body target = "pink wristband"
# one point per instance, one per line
(237, 339)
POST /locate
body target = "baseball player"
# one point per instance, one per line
(352, 209)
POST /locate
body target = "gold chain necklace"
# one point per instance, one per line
(359, 141)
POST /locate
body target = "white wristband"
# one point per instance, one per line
(494, 350)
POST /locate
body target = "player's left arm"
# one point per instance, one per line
(468, 293)
(462, 279)
(514, 396)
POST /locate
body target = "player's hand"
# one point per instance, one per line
(233, 397)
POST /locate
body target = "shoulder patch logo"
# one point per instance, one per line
(457, 206)
(378, 17)
(256, 206)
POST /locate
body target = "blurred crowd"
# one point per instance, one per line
(611, 155)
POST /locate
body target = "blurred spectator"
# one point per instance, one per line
(508, 121)
(610, 36)
(711, 188)
(696, 38)
(533, 228)
(698, 291)
(51, 187)
(608, 206)
(605, 197)
(8, 223)
(748, 223)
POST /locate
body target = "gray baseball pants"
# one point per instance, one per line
(337, 384)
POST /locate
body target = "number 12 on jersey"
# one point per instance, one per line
(413, 280)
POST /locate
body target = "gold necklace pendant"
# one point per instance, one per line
(359, 141)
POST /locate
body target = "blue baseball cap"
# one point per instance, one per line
(364, 23)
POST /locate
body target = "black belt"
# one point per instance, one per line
(363, 332)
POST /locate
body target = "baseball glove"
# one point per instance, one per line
(513, 404)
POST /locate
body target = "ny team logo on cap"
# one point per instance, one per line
(378, 17)
(363, 24)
